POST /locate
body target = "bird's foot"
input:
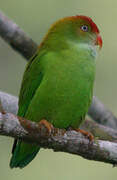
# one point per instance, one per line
(85, 133)
(46, 127)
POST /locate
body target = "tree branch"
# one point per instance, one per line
(59, 139)
(16, 37)
(101, 114)
(10, 105)
(99, 131)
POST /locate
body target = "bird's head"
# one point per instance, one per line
(80, 29)
(87, 30)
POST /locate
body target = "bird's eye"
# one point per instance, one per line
(84, 28)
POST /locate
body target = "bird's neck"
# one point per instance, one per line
(57, 44)
(85, 49)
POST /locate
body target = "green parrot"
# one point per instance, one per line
(58, 81)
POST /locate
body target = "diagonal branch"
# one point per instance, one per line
(58, 139)
(16, 37)
(101, 114)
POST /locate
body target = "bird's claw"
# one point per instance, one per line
(86, 134)
(46, 127)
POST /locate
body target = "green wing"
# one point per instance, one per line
(23, 153)
(31, 81)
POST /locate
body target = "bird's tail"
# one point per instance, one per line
(23, 154)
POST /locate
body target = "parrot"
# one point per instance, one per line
(57, 85)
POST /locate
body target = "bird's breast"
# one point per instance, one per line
(65, 91)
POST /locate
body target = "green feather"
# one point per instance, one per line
(57, 83)
(23, 152)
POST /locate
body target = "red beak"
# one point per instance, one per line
(99, 41)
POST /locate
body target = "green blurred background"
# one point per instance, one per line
(35, 17)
